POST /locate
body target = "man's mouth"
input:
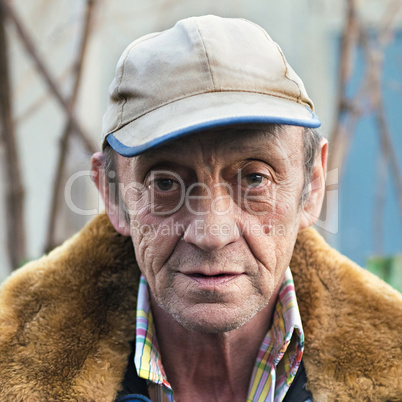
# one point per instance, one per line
(220, 279)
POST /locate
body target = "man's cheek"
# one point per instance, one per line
(153, 245)
(277, 201)
(259, 204)
(286, 205)
(134, 197)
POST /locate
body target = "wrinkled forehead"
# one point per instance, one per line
(270, 143)
(230, 139)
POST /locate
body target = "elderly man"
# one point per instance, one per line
(203, 282)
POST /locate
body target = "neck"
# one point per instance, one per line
(210, 366)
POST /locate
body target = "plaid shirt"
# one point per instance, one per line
(277, 361)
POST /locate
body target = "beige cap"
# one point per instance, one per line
(203, 73)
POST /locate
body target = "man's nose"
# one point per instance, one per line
(213, 222)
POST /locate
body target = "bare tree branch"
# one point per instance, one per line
(13, 182)
(388, 149)
(387, 22)
(63, 150)
(36, 105)
(30, 48)
(348, 48)
(349, 111)
(374, 52)
(374, 55)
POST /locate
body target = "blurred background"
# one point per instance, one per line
(57, 61)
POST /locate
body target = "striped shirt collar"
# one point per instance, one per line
(277, 361)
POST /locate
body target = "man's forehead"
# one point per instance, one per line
(231, 139)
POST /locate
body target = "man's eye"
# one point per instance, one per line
(254, 180)
(164, 184)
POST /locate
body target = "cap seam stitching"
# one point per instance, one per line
(202, 93)
(121, 80)
(206, 55)
(123, 64)
(282, 56)
(286, 71)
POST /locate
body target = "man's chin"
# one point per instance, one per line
(211, 320)
(209, 317)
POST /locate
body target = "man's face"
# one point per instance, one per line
(213, 219)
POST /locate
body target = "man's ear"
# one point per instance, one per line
(116, 215)
(312, 206)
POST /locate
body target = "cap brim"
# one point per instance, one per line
(207, 111)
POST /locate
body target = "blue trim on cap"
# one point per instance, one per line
(124, 150)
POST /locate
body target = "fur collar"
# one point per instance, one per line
(67, 320)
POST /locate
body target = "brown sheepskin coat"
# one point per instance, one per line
(66, 321)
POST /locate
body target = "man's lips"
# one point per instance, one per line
(207, 280)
